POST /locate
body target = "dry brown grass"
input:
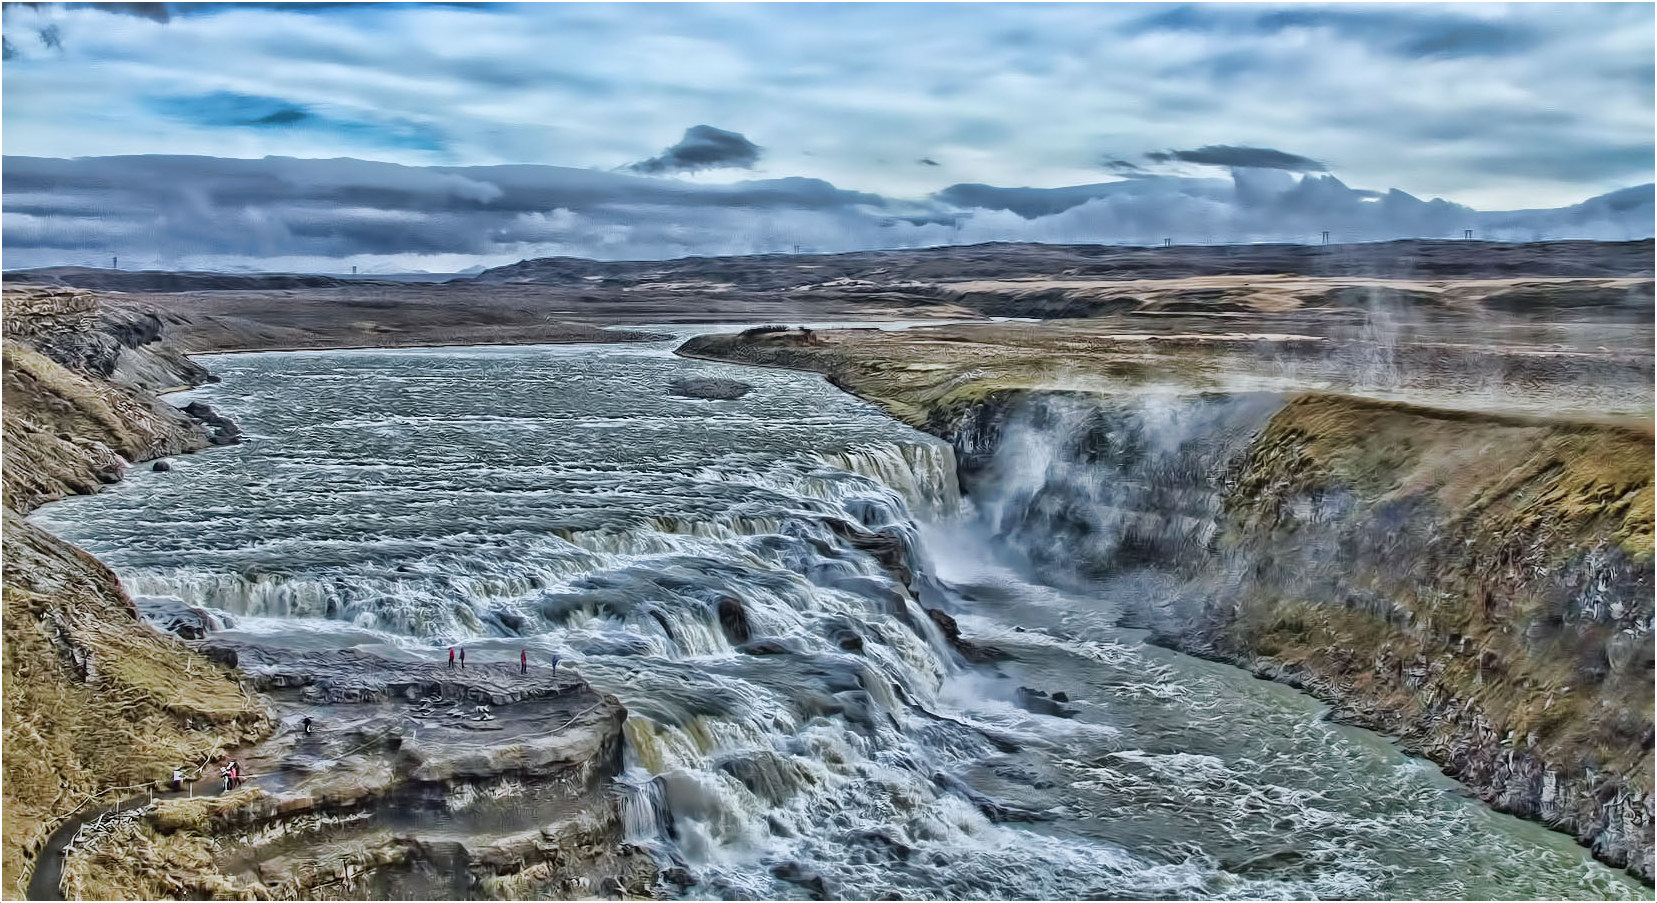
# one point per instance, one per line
(94, 699)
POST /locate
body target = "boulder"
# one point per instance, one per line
(221, 429)
(977, 653)
(1041, 703)
(733, 620)
(173, 616)
(709, 387)
(767, 647)
(848, 639)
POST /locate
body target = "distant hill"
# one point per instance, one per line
(1395, 259)
(1412, 258)
(164, 281)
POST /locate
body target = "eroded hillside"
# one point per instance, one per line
(97, 705)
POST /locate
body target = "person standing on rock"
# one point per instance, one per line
(451, 658)
(463, 657)
(523, 661)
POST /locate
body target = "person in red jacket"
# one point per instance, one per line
(451, 658)
(523, 661)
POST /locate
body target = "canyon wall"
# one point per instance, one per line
(1476, 584)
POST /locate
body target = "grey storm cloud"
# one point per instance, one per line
(702, 147)
(1411, 32)
(155, 12)
(287, 213)
(1240, 158)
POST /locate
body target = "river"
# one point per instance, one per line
(557, 499)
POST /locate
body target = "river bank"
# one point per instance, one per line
(1476, 583)
(100, 703)
(93, 699)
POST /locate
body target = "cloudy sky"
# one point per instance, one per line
(1488, 106)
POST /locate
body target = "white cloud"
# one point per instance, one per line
(325, 215)
(1485, 105)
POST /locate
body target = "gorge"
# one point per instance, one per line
(813, 647)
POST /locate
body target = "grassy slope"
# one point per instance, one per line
(93, 698)
(1492, 603)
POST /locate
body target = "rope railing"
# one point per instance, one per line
(146, 785)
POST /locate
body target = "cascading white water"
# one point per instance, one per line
(734, 572)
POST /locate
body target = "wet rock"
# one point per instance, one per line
(1279, 858)
(878, 838)
(224, 655)
(995, 811)
(848, 639)
(767, 647)
(1039, 702)
(174, 617)
(733, 620)
(221, 429)
(886, 546)
(161, 466)
(771, 777)
(1061, 696)
(679, 877)
(976, 653)
(796, 874)
(613, 645)
(709, 388)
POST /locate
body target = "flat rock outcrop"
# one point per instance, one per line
(709, 387)
(395, 777)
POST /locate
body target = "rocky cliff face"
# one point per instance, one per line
(80, 380)
(1479, 586)
(94, 700)
(418, 782)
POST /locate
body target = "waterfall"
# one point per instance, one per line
(1091, 486)
(748, 577)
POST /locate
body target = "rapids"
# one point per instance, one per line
(559, 499)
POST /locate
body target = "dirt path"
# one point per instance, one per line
(47, 881)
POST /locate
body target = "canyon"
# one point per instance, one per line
(1423, 497)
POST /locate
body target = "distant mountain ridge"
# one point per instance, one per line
(878, 270)
(322, 216)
